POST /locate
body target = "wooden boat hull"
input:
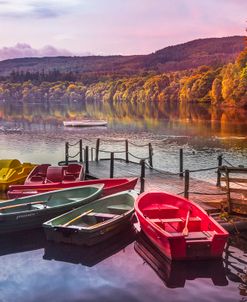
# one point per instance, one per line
(13, 172)
(30, 212)
(162, 218)
(111, 186)
(101, 224)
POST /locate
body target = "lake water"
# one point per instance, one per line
(33, 132)
(33, 269)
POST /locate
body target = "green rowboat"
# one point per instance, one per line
(30, 212)
(94, 222)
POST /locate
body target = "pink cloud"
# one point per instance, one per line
(21, 50)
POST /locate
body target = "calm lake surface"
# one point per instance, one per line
(33, 269)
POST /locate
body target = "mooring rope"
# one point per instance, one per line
(73, 156)
(138, 145)
(72, 145)
(137, 157)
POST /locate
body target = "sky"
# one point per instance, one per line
(108, 27)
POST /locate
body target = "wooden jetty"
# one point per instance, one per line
(212, 196)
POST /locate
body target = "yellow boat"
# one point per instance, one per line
(12, 171)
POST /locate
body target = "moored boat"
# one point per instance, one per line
(179, 228)
(111, 186)
(46, 173)
(12, 171)
(30, 212)
(95, 222)
(85, 123)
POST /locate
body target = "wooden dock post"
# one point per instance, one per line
(66, 153)
(80, 150)
(97, 150)
(112, 165)
(86, 160)
(181, 162)
(186, 183)
(92, 154)
(218, 172)
(142, 178)
(126, 151)
(150, 151)
(229, 205)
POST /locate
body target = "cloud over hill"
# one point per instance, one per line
(22, 50)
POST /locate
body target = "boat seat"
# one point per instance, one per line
(196, 236)
(42, 169)
(165, 220)
(196, 218)
(69, 178)
(119, 208)
(163, 210)
(74, 199)
(39, 206)
(103, 215)
(37, 178)
(54, 174)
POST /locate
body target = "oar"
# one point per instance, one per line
(74, 219)
(185, 231)
(21, 204)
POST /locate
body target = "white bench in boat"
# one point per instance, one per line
(103, 215)
(39, 206)
(119, 208)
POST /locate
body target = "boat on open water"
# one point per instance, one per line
(30, 212)
(111, 186)
(179, 228)
(85, 123)
(94, 222)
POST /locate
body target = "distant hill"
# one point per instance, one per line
(211, 51)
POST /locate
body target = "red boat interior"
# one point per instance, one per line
(50, 174)
(170, 213)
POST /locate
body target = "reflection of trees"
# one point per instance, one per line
(152, 114)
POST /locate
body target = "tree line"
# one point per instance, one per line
(225, 85)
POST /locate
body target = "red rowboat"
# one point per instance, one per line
(178, 227)
(46, 173)
(111, 186)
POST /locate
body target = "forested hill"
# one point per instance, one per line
(211, 52)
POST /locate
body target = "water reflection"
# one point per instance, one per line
(236, 263)
(89, 256)
(44, 271)
(154, 115)
(175, 273)
(22, 241)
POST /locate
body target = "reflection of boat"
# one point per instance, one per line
(111, 186)
(10, 130)
(94, 222)
(46, 173)
(175, 273)
(22, 241)
(178, 227)
(12, 171)
(30, 212)
(85, 123)
(89, 255)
